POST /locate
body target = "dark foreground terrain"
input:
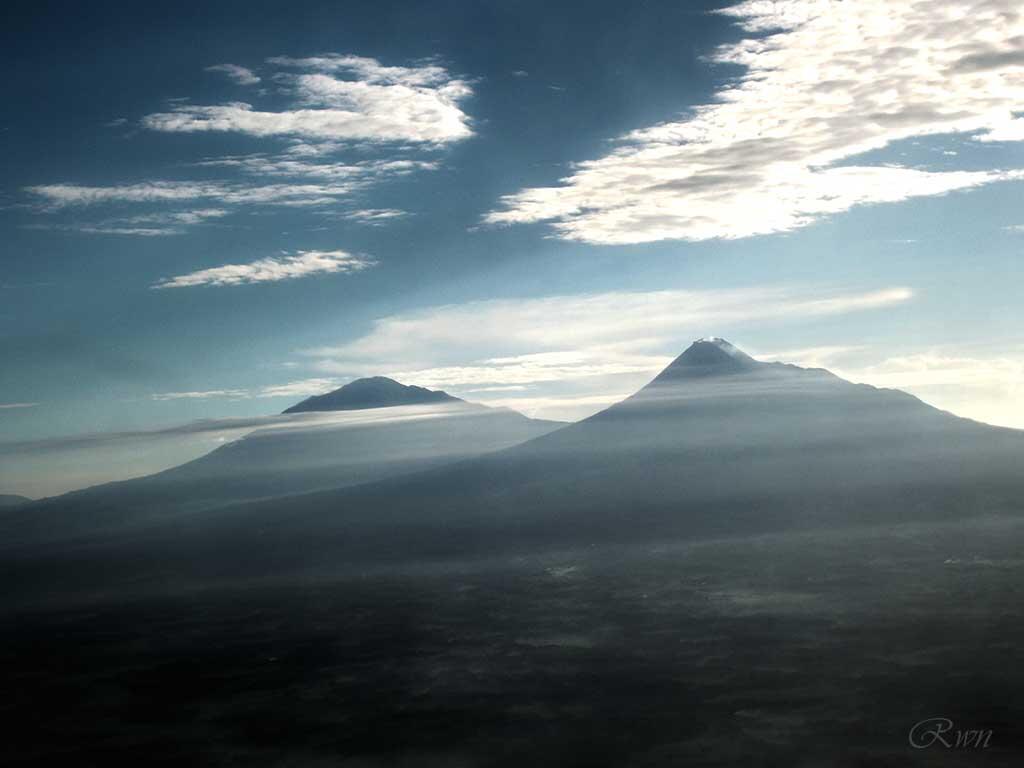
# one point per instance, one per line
(789, 649)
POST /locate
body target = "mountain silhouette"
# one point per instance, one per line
(373, 392)
(716, 445)
(12, 500)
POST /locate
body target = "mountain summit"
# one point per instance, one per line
(373, 392)
(711, 356)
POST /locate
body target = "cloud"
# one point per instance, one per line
(563, 348)
(301, 388)
(64, 195)
(272, 269)
(234, 394)
(295, 164)
(374, 217)
(392, 119)
(147, 225)
(342, 98)
(823, 82)
(240, 75)
(6, 406)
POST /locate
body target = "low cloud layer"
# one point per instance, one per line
(271, 269)
(824, 82)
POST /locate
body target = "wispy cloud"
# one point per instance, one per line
(272, 269)
(146, 225)
(824, 82)
(240, 75)
(300, 388)
(6, 406)
(354, 123)
(564, 347)
(209, 394)
(374, 216)
(297, 162)
(342, 97)
(64, 195)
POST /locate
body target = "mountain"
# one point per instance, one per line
(300, 455)
(12, 500)
(717, 445)
(373, 392)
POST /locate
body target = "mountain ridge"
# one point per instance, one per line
(371, 392)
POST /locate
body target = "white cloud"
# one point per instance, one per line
(240, 75)
(295, 164)
(832, 81)
(64, 195)
(374, 216)
(151, 224)
(5, 406)
(301, 388)
(340, 105)
(235, 394)
(343, 98)
(812, 357)
(272, 269)
(596, 345)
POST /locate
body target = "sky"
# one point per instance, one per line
(213, 210)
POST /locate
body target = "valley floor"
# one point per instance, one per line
(820, 649)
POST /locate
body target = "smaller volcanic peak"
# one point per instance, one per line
(372, 392)
(710, 356)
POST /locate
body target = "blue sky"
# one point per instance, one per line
(214, 210)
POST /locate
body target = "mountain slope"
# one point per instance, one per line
(716, 445)
(296, 457)
(373, 392)
(12, 500)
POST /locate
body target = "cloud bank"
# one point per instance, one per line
(824, 81)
